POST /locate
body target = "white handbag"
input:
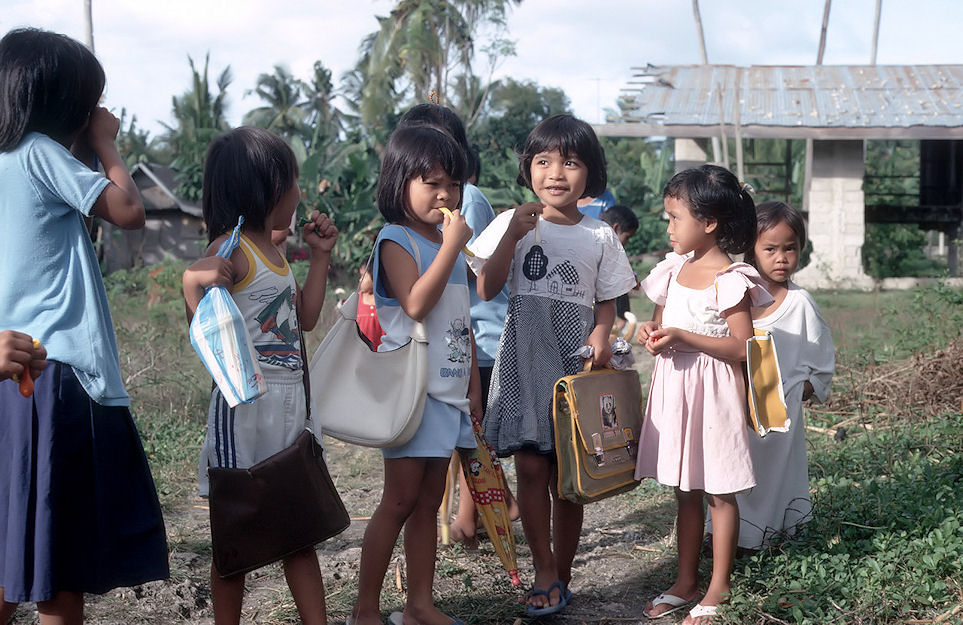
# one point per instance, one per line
(375, 399)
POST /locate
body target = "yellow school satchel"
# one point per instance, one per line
(598, 418)
(767, 401)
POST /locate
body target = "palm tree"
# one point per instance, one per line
(199, 118)
(418, 47)
(283, 112)
(318, 106)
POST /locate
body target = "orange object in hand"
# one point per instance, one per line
(26, 383)
(26, 379)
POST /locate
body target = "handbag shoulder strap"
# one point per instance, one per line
(414, 249)
(418, 331)
(304, 373)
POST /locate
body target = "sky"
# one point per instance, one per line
(587, 48)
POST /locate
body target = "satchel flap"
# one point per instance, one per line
(608, 408)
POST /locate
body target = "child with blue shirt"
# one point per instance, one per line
(71, 450)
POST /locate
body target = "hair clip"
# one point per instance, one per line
(745, 186)
(433, 97)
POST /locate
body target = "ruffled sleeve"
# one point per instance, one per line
(656, 284)
(733, 282)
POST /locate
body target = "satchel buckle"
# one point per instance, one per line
(599, 451)
(629, 440)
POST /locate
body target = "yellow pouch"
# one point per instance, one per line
(598, 419)
(767, 402)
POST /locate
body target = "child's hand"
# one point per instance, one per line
(808, 390)
(207, 272)
(17, 352)
(456, 229)
(601, 349)
(647, 328)
(661, 339)
(524, 219)
(327, 233)
(210, 271)
(102, 129)
(475, 408)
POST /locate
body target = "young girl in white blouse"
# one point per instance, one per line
(780, 500)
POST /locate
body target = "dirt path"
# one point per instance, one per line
(626, 557)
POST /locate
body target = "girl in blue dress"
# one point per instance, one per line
(78, 509)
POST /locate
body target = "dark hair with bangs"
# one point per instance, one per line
(771, 214)
(247, 172)
(571, 137)
(49, 83)
(414, 151)
(714, 193)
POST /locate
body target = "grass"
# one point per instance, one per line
(885, 544)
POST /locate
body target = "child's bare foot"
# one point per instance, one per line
(513, 512)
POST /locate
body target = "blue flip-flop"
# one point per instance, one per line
(564, 596)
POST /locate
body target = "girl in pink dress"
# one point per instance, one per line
(694, 437)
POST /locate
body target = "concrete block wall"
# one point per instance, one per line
(836, 225)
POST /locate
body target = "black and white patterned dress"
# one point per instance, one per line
(554, 284)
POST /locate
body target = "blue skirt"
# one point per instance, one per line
(78, 508)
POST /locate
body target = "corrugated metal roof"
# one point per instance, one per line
(857, 101)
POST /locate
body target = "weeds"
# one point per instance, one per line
(885, 543)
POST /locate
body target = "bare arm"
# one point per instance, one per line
(731, 348)
(599, 338)
(212, 270)
(419, 294)
(320, 235)
(120, 202)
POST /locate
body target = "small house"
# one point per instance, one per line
(174, 226)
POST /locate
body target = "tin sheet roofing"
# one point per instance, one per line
(845, 101)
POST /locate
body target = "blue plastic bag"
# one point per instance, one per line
(220, 338)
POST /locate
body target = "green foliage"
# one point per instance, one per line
(881, 548)
(885, 326)
(344, 187)
(133, 143)
(424, 47)
(892, 172)
(200, 117)
(775, 168)
(892, 250)
(515, 107)
(169, 387)
(637, 172)
(931, 318)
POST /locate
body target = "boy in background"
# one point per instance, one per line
(625, 223)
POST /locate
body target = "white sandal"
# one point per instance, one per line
(677, 604)
(703, 611)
